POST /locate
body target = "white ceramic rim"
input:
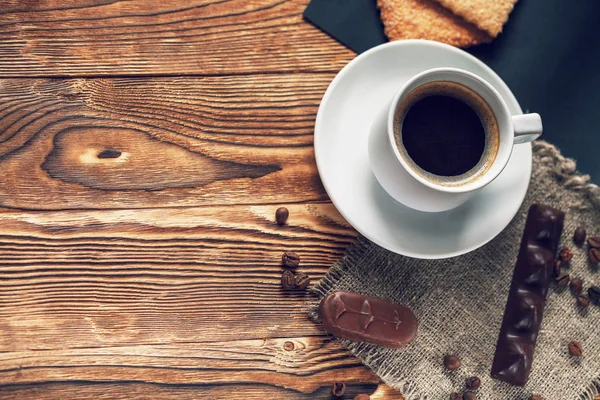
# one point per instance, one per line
(502, 157)
(319, 122)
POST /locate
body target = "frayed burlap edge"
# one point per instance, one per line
(565, 171)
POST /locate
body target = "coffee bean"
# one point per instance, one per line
(302, 280)
(579, 235)
(290, 259)
(281, 215)
(562, 280)
(338, 389)
(576, 285)
(594, 255)
(594, 295)
(575, 349)
(473, 383)
(288, 281)
(456, 396)
(565, 254)
(583, 301)
(557, 267)
(469, 396)
(451, 362)
(362, 397)
(594, 242)
(535, 397)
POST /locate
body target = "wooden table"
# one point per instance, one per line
(144, 148)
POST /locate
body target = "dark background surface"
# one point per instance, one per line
(548, 53)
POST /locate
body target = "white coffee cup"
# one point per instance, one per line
(400, 179)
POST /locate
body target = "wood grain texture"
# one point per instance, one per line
(167, 37)
(189, 274)
(139, 258)
(181, 141)
(181, 302)
(143, 391)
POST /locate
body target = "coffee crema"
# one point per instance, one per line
(447, 133)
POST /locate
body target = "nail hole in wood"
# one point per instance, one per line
(109, 153)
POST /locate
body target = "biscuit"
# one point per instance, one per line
(426, 19)
(487, 15)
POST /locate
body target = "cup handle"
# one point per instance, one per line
(527, 127)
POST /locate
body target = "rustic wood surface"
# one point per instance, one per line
(144, 148)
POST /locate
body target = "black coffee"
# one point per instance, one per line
(447, 131)
(443, 135)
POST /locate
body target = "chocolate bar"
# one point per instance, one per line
(367, 319)
(527, 295)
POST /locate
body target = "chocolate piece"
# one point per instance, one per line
(527, 295)
(367, 319)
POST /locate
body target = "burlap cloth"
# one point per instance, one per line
(460, 302)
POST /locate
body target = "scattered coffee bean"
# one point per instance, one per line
(281, 215)
(583, 301)
(563, 280)
(565, 254)
(535, 397)
(469, 396)
(456, 396)
(362, 397)
(575, 349)
(576, 285)
(594, 242)
(288, 280)
(290, 259)
(579, 235)
(473, 383)
(557, 267)
(338, 389)
(451, 362)
(596, 397)
(302, 280)
(594, 295)
(594, 255)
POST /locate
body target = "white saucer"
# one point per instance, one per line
(345, 115)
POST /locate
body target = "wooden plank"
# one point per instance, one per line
(170, 302)
(119, 277)
(144, 391)
(167, 37)
(301, 365)
(159, 142)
